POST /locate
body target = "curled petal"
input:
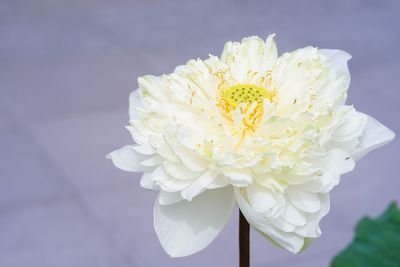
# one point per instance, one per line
(187, 227)
(352, 127)
(199, 185)
(335, 163)
(305, 201)
(338, 64)
(146, 181)
(144, 149)
(289, 241)
(180, 171)
(127, 159)
(190, 158)
(238, 176)
(135, 105)
(167, 182)
(293, 215)
(374, 136)
(168, 198)
(265, 201)
(311, 228)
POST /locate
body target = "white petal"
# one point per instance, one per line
(283, 225)
(139, 134)
(289, 241)
(180, 171)
(293, 215)
(335, 163)
(146, 181)
(144, 149)
(127, 159)
(187, 227)
(199, 185)
(251, 55)
(305, 201)
(374, 136)
(265, 201)
(221, 181)
(152, 161)
(167, 182)
(154, 87)
(351, 128)
(339, 161)
(238, 176)
(338, 63)
(168, 198)
(134, 103)
(311, 228)
(190, 158)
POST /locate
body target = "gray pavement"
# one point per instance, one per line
(66, 69)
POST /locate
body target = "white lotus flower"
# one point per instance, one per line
(270, 134)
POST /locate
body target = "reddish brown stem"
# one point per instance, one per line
(244, 241)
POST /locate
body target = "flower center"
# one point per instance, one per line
(244, 93)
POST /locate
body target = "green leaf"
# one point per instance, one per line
(376, 244)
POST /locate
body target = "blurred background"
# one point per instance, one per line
(66, 69)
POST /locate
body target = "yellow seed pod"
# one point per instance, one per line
(244, 93)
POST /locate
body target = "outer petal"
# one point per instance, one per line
(265, 201)
(289, 241)
(146, 181)
(127, 159)
(338, 63)
(305, 201)
(238, 176)
(167, 182)
(374, 135)
(187, 227)
(168, 198)
(135, 104)
(311, 228)
(335, 163)
(199, 185)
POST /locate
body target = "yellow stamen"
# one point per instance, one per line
(244, 93)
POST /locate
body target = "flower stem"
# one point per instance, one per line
(244, 241)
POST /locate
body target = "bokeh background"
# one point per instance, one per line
(66, 69)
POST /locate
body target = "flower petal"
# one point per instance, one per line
(335, 163)
(144, 149)
(265, 201)
(190, 158)
(311, 228)
(305, 201)
(146, 181)
(135, 104)
(293, 215)
(251, 55)
(338, 64)
(289, 241)
(180, 171)
(374, 136)
(199, 185)
(238, 176)
(187, 227)
(351, 128)
(168, 198)
(152, 161)
(167, 182)
(127, 159)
